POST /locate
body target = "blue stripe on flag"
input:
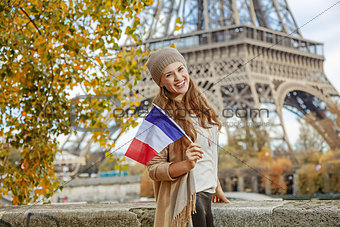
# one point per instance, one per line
(157, 118)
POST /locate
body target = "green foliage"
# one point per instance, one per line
(46, 49)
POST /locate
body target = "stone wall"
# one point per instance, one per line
(94, 190)
(238, 213)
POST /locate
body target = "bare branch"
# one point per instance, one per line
(30, 20)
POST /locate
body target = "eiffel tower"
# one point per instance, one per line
(248, 55)
(245, 54)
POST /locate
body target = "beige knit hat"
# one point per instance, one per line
(160, 59)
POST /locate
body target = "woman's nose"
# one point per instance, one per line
(177, 75)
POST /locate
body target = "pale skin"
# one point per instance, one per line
(173, 75)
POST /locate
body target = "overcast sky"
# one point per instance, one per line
(325, 29)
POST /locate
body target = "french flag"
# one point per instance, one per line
(157, 131)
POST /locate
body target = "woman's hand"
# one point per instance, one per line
(192, 154)
(219, 196)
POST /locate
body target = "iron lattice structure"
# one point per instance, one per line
(206, 15)
(243, 54)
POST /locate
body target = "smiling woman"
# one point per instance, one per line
(184, 173)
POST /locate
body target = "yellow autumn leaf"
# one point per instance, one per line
(177, 28)
(108, 154)
(121, 77)
(98, 60)
(93, 82)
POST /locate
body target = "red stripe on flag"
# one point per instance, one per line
(140, 152)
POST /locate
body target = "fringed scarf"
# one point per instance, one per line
(183, 201)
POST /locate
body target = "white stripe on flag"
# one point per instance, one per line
(153, 136)
(179, 127)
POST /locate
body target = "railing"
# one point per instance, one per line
(226, 34)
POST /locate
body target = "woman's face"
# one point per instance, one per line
(175, 79)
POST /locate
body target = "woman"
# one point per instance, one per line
(184, 174)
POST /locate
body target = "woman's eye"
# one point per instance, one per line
(167, 75)
(180, 69)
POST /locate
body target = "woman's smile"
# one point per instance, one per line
(181, 84)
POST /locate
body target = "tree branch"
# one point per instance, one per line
(30, 20)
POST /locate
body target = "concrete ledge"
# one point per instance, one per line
(238, 213)
(104, 181)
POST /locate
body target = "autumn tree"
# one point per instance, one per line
(320, 172)
(330, 164)
(309, 139)
(274, 169)
(278, 169)
(251, 138)
(244, 145)
(48, 48)
(309, 157)
(264, 157)
(310, 180)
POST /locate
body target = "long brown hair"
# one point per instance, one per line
(194, 103)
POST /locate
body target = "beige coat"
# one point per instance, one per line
(175, 197)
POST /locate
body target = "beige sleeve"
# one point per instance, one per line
(158, 167)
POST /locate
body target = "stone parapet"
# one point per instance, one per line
(104, 181)
(238, 213)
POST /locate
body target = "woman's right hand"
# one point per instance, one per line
(192, 154)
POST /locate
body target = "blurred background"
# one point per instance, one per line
(269, 67)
